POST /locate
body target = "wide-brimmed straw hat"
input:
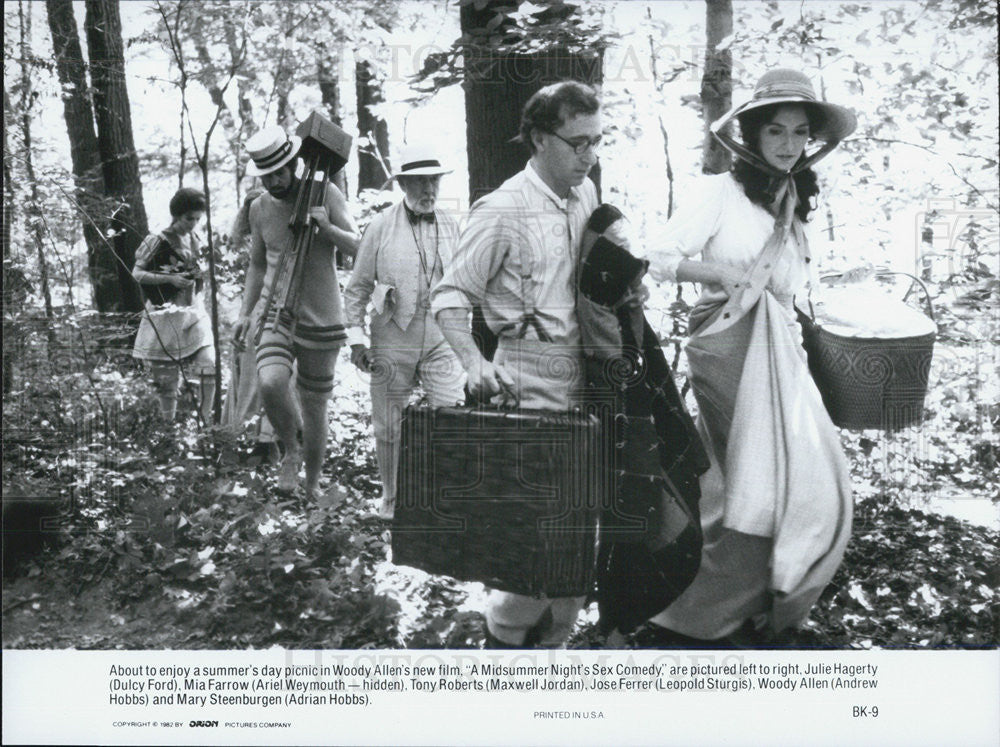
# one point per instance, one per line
(270, 149)
(419, 160)
(784, 86)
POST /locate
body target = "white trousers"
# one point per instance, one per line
(401, 359)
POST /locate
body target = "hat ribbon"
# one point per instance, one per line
(785, 88)
(740, 150)
(431, 162)
(265, 162)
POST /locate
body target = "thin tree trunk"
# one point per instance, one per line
(371, 174)
(183, 156)
(329, 90)
(245, 106)
(716, 82)
(119, 161)
(182, 83)
(34, 206)
(213, 286)
(8, 203)
(79, 115)
(13, 278)
(283, 88)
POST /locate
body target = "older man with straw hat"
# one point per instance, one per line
(402, 256)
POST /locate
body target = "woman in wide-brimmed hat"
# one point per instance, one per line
(776, 503)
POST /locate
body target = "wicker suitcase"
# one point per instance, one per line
(509, 498)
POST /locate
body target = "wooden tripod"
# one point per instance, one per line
(325, 149)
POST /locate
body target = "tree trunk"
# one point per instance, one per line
(79, 116)
(284, 73)
(8, 205)
(215, 92)
(371, 174)
(329, 90)
(213, 284)
(8, 195)
(496, 90)
(716, 82)
(244, 96)
(13, 278)
(119, 161)
(34, 207)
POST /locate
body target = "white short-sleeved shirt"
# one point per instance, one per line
(522, 220)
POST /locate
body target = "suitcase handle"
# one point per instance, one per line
(509, 401)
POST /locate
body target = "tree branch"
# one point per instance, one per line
(891, 141)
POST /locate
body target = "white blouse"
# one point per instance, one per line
(720, 222)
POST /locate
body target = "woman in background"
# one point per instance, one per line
(175, 335)
(776, 503)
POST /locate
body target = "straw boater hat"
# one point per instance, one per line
(270, 149)
(419, 160)
(783, 86)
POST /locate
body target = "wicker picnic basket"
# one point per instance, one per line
(509, 498)
(870, 382)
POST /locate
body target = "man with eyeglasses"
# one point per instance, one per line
(517, 258)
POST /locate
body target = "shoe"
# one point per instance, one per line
(491, 642)
(387, 508)
(651, 635)
(533, 638)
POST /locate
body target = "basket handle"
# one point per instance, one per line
(882, 273)
(812, 311)
(918, 281)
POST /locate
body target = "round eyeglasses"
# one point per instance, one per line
(582, 144)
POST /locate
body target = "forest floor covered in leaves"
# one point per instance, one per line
(171, 536)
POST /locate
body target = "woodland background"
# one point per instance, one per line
(109, 107)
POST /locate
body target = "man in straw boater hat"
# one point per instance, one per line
(403, 253)
(517, 258)
(319, 332)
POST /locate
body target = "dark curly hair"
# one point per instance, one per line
(546, 107)
(760, 187)
(185, 200)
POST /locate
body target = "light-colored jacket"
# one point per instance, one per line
(387, 270)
